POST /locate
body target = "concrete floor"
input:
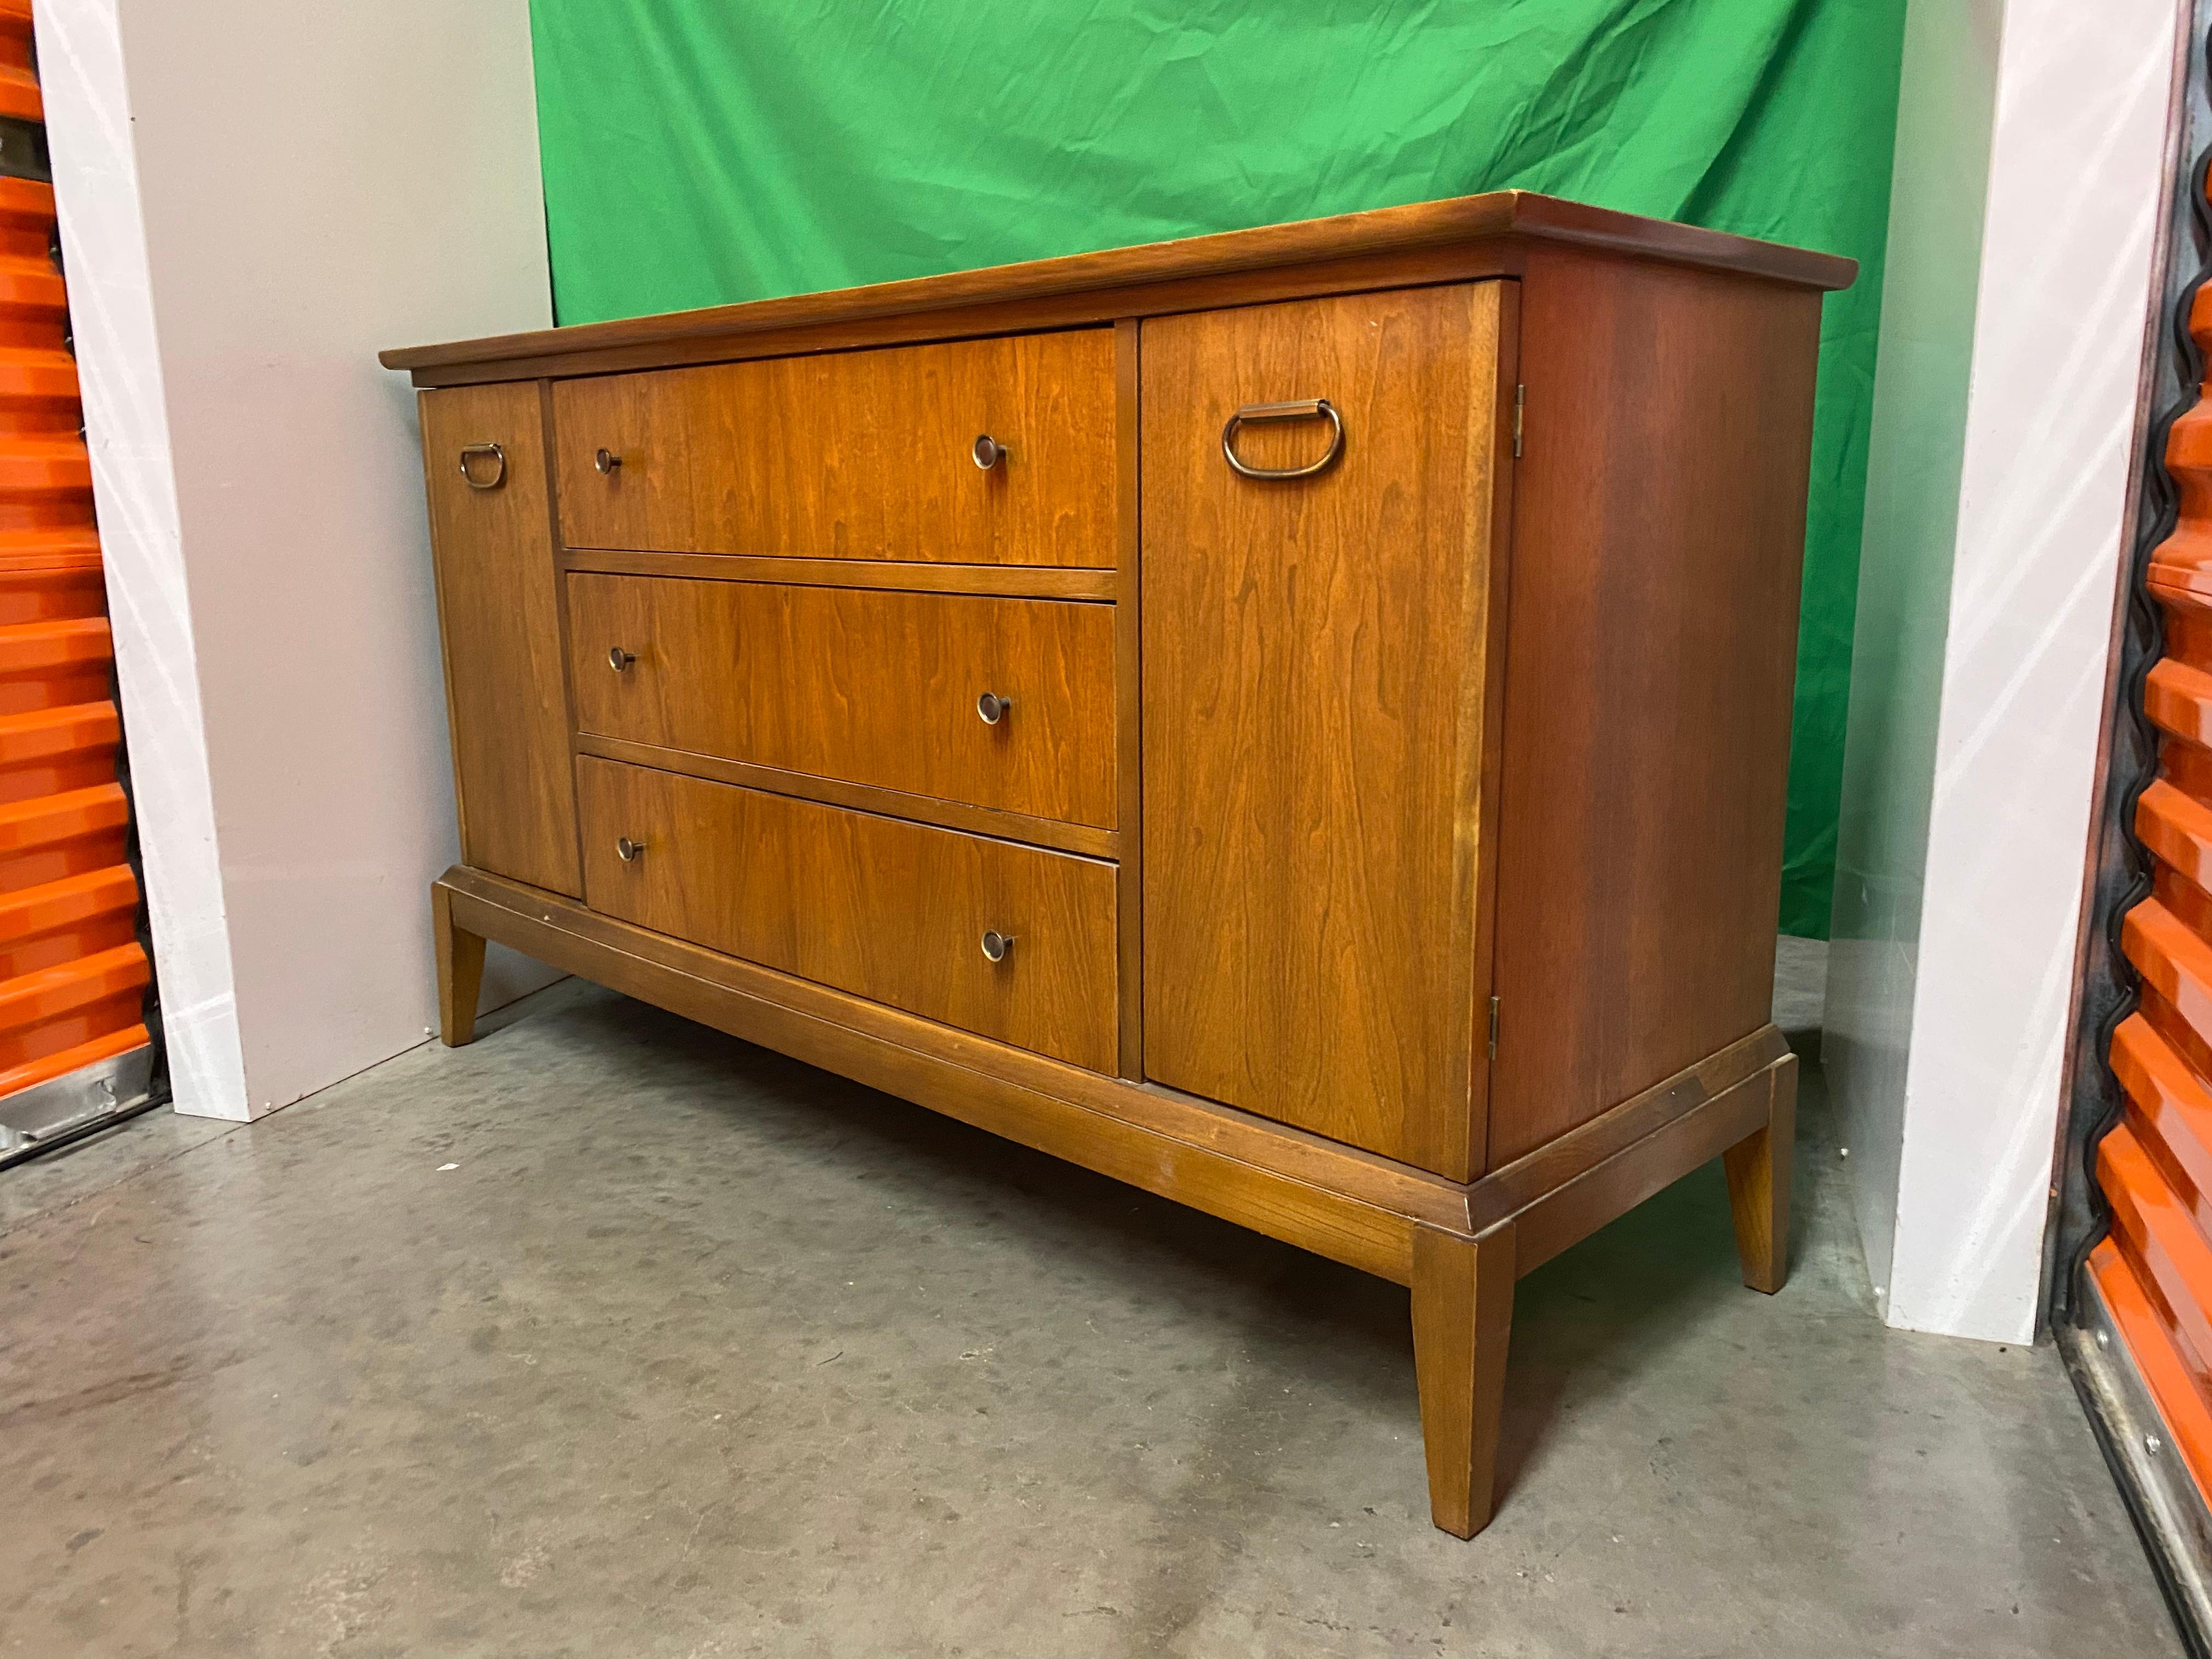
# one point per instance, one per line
(695, 1352)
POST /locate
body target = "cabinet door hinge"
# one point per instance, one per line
(1493, 1028)
(1519, 403)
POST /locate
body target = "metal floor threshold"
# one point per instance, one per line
(2168, 1510)
(82, 1103)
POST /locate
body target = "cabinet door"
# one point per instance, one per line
(1314, 686)
(499, 612)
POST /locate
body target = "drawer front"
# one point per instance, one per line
(888, 910)
(852, 455)
(863, 685)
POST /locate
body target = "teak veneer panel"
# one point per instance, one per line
(893, 911)
(868, 686)
(1314, 655)
(1660, 529)
(866, 455)
(499, 622)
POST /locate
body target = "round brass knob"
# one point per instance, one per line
(991, 707)
(606, 460)
(989, 452)
(630, 851)
(618, 659)
(998, 946)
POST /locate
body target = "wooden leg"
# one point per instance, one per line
(460, 970)
(1759, 1184)
(1462, 1316)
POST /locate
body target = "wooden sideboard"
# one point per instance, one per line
(1295, 719)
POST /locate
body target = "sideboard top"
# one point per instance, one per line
(1074, 288)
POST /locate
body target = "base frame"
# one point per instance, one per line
(1459, 1246)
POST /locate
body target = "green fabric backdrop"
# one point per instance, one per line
(703, 151)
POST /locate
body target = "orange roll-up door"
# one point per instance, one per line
(74, 973)
(2153, 1270)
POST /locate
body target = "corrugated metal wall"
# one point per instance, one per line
(2154, 1166)
(73, 974)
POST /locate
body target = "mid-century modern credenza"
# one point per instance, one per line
(1294, 719)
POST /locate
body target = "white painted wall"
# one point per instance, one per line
(255, 196)
(2030, 177)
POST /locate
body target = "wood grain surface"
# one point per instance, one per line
(460, 957)
(1758, 1171)
(499, 619)
(1128, 676)
(1058, 833)
(867, 686)
(1659, 534)
(888, 910)
(1462, 1323)
(852, 455)
(1011, 581)
(1313, 668)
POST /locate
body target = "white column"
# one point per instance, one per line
(2031, 162)
(255, 196)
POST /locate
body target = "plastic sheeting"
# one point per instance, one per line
(698, 152)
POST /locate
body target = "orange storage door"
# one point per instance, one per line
(2153, 1269)
(73, 976)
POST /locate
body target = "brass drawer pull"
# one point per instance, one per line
(989, 452)
(630, 851)
(469, 452)
(618, 659)
(998, 946)
(991, 707)
(606, 460)
(1312, 409)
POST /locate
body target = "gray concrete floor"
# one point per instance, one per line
(697, 1352)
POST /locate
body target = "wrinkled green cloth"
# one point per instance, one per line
(698, 152)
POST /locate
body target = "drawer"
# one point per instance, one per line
(863, 685)
(888, 910)
(852, 455)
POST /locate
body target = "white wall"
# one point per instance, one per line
(2030, 176)
(255, 196)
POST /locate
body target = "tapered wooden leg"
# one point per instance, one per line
(1759, 1184)
(460, 970)
(1462, 1316)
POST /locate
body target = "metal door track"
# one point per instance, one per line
(65, 1109)
(2160, 1496)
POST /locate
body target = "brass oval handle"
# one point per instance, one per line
(618, 659)
(1311, 409)
(991, 707)
(606, 460)
(629, 851)
(499, 465)
(998, 946)
(989, 452)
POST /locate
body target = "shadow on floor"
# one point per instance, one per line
(611, 1335)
